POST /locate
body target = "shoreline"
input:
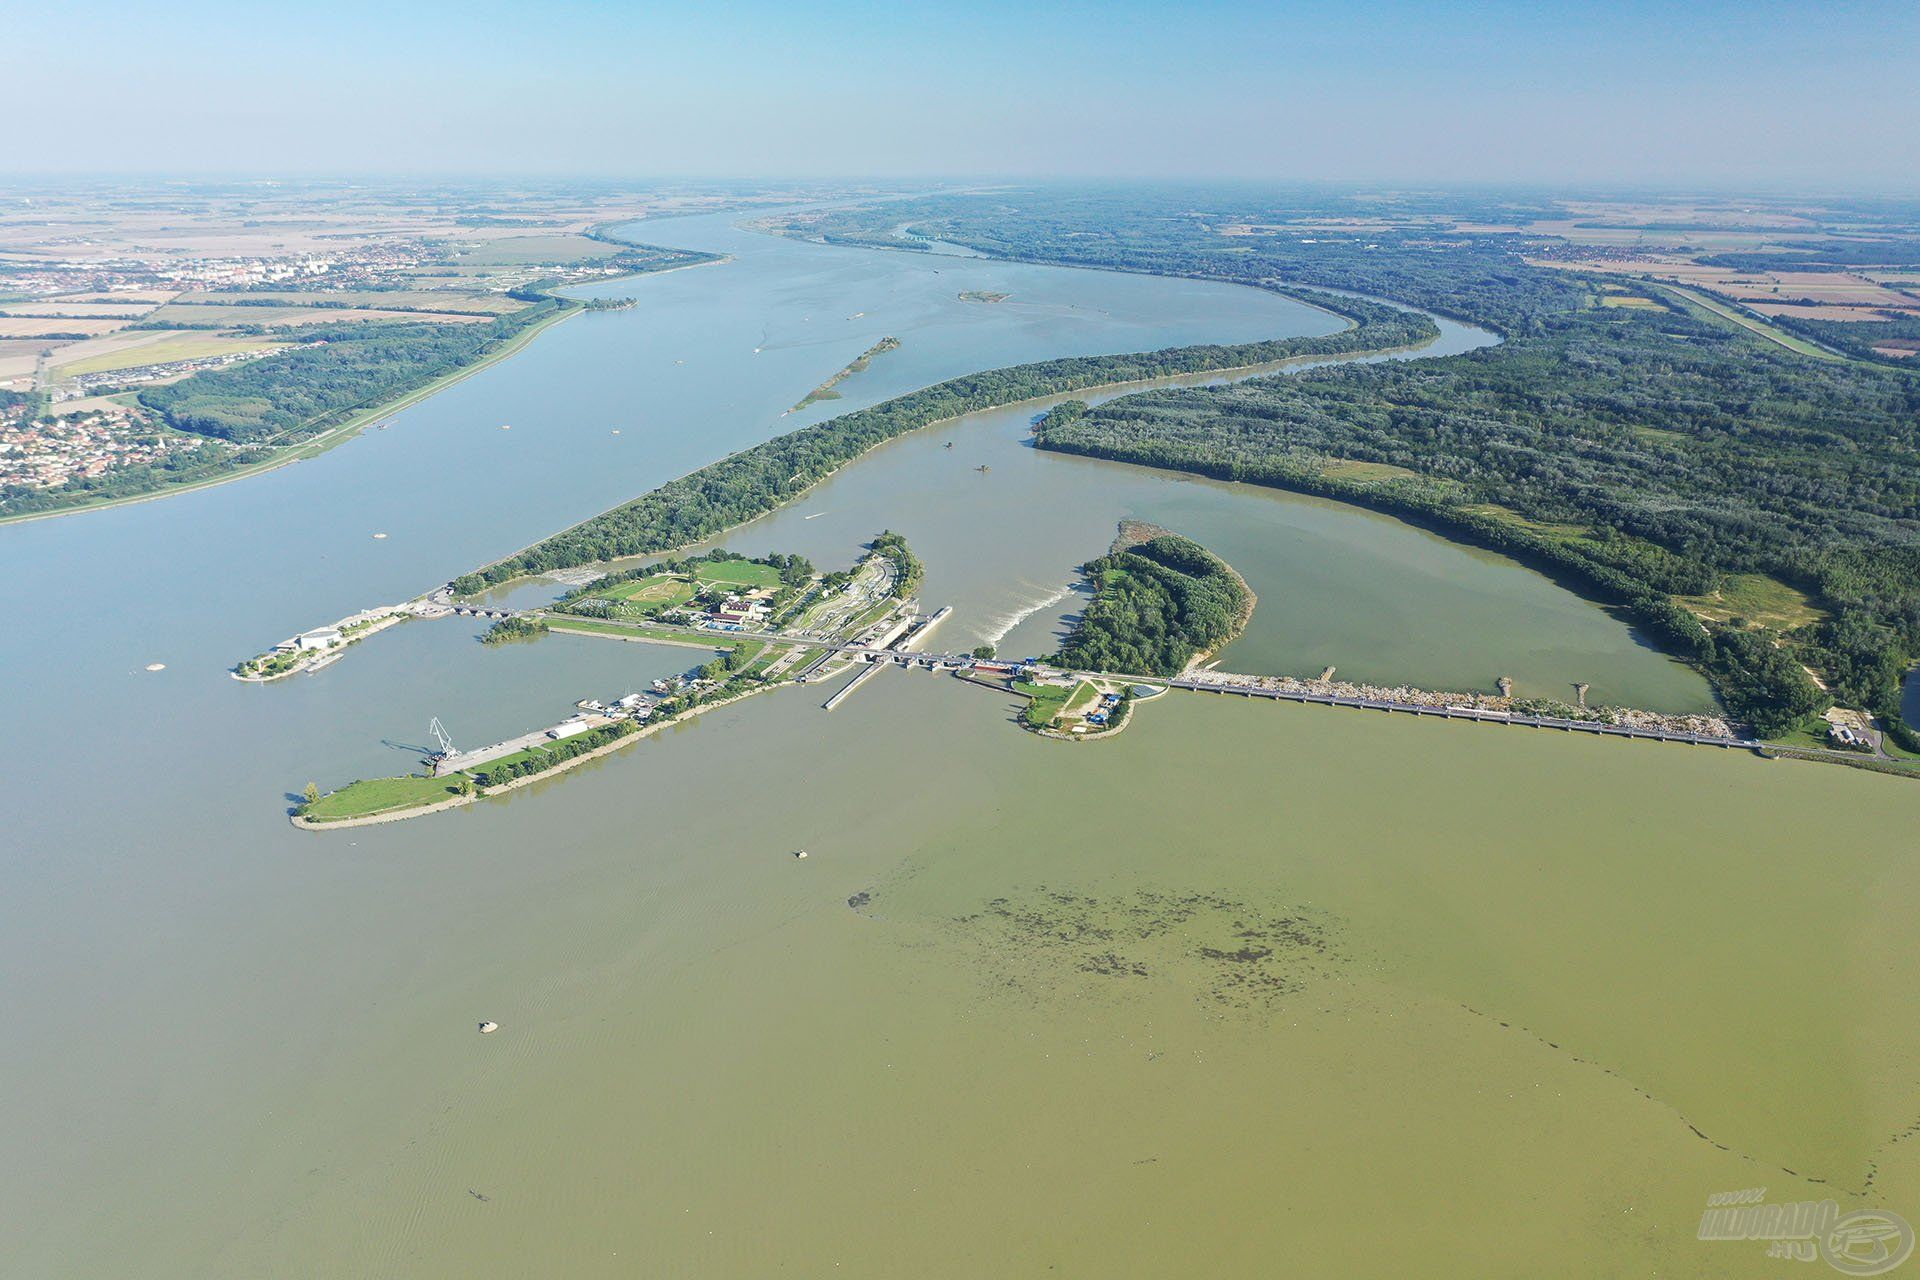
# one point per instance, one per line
(317, 445)
(333, 437)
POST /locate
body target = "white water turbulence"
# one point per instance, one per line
(1000, 626)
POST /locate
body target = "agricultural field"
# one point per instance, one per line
(154, 347)
(446, 299)
(200, 314)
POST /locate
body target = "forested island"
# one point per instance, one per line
(1160, 602)
(757, 480)
(1754, 510)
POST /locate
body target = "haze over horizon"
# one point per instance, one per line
(1760, 95)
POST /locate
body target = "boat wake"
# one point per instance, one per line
(1005, 623)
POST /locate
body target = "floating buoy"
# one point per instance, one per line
(488, 1028)
(156, 666)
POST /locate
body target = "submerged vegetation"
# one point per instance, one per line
(1160, 601)
(826, 390)
(757, 480)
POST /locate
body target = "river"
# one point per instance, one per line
(1243, 985)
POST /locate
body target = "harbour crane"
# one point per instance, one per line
(440, 735)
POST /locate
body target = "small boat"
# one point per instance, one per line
(488, 1028)
(379, 535)
(156, 666)
(949, 444)
(506, 426)
(983, 467)
(799, 853)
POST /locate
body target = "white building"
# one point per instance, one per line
(324, 638)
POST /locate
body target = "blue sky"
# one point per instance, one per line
(1774, 94)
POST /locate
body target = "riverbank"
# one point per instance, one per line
(361, 419)
(320, 443)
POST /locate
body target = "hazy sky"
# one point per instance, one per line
(1821, 94)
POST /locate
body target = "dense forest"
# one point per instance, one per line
(1640, 454)
(338, 369)
(1156, 605)
(757, 480)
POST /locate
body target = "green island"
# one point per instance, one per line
(1161, 603)
(1660, 459)
(983, 295)
(826, 390)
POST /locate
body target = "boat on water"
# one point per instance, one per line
(488, 1028)
(799, 853)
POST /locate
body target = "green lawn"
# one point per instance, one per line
(738, 573)
(645, 597)
(380, 795)
(1083, 700)
(531, 753)
(594, 626)
(1046, 701)
(1751, 322)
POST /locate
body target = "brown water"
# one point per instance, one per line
(1225, 993)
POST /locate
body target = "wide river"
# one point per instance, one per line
(1249, 989)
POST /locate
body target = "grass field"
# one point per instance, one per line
(379, 795)
(536, 752)
(169, 347)
(660, 635)
(651, 595)
(1083, 699)
(1753, 324)
(1759, 599)
(1542, 527)
(1349, 469)
(1628, 300)
(738, 573)
(1045, 702)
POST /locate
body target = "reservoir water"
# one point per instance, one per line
(1245, 984)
